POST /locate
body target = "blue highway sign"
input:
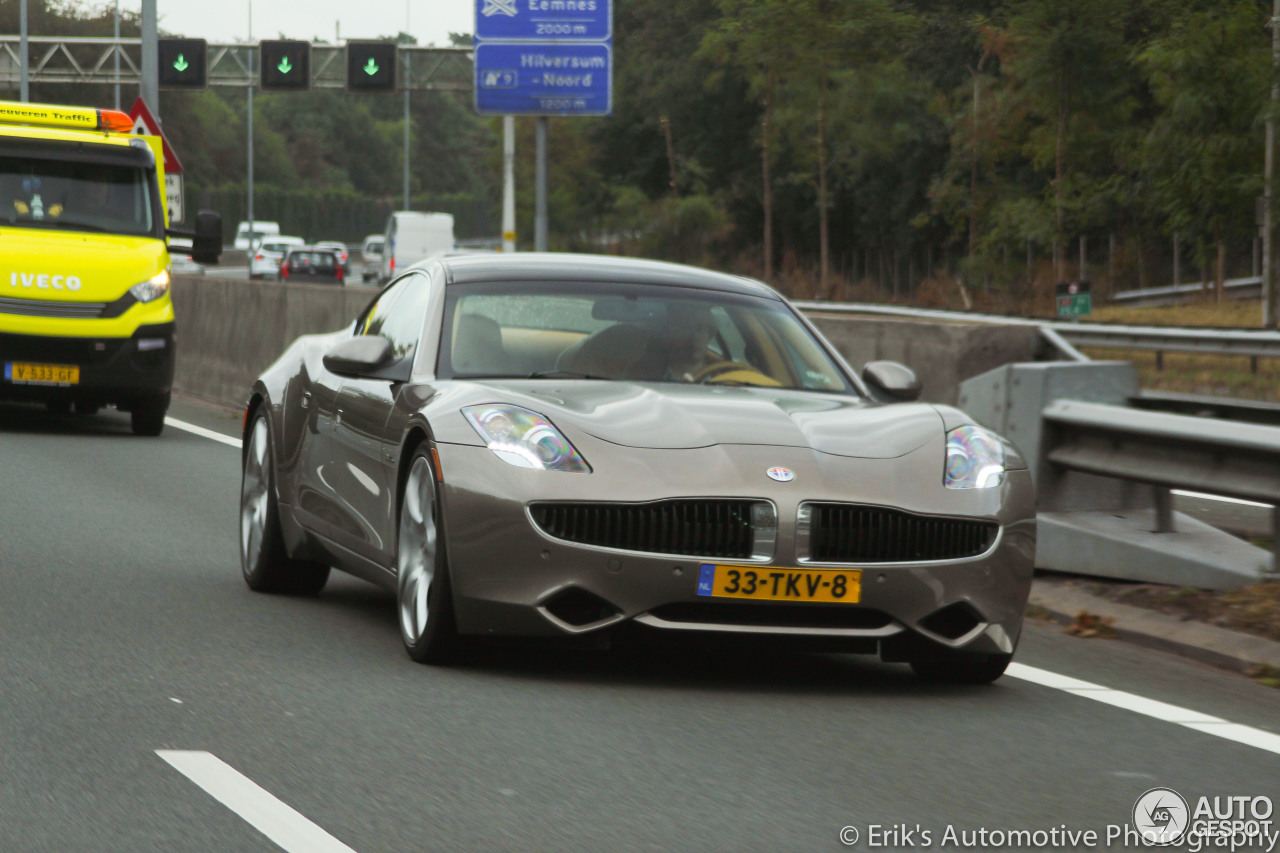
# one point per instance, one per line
(544, 20)
(544, 79)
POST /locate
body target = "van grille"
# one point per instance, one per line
(848, 533)
(49, 308)
(697, 528)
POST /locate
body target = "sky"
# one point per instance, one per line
(430, 21)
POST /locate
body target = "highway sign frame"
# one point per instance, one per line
(524, 21)
(270, 79)
(501, 63)
(361, 84)
(1073, 299)
(195, 52)
(505, 81)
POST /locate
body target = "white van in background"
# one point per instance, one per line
(246, 240)
(411, 237)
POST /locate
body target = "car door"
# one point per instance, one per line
(365, 444)
(316, 402)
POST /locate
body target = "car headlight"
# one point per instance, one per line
(153, 288)
(525, 439)
(975, 459)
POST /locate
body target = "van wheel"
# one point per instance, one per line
(147, 414)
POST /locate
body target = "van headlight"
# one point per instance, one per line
(153, 288)
(525, 439)
(975, 459)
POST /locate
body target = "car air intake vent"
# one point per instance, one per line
(47, 308)
(695, 528)
(848, 533)
(952, 621)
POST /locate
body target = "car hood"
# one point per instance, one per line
(74, 265)
(671, 416)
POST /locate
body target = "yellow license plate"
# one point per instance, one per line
(766, 583)
(41, 374)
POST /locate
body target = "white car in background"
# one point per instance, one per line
(341, 250)
(247, 239)
(265, 261)
(371, 256)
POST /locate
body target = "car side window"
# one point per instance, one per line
(403, 326)
(397, 314)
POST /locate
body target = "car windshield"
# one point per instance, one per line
(75, 195)
(633, 332)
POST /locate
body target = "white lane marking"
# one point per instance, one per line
(288, 829)
(199, 430)
(1149, 707)
(1221, 498)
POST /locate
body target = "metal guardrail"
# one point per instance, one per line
(1171, 294)
(1241, 342)
(1200, 405)
(1167, 452)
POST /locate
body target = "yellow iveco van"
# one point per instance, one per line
(85, 313)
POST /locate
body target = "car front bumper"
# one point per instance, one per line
(509, 577)
(111, 370)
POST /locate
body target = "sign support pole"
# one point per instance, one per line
(509, 183)
(407, 205)
(540, 207)
(150, 59)
(249, 217)
(24, 86)
(1269, 318)
(115, 53)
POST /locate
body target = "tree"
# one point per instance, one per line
(1209, 75)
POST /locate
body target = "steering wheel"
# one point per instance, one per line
(717, 368)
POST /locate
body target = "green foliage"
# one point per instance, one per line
(1208, 74)
(906, 131)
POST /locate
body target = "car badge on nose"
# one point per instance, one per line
(782, 475)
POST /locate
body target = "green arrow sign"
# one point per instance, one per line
(284, 66)
(370, 67)
(181, 64)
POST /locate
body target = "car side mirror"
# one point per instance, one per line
(207, 245)
(896, 380)
(359, 356)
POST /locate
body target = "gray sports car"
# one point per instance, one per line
(544, 445)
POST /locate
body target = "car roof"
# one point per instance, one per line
(549, 266)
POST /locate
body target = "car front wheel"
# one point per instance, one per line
(263, 559)
(424, 601)
(146, 414)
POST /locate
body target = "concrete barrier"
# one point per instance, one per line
(943, 353)
(230, 329)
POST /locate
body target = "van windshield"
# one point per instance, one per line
(74, 195)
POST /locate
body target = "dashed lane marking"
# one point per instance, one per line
(259, 807)
(1157, 710)
(199, 430)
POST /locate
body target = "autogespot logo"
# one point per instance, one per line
(1161, 816)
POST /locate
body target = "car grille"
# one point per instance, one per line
(848, 533)
(46, 308)
(696, 528)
